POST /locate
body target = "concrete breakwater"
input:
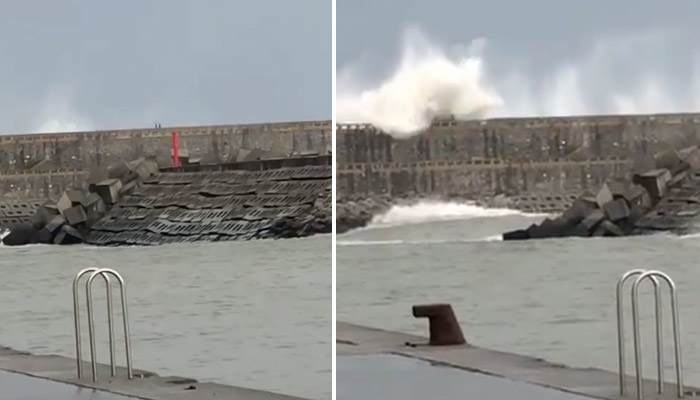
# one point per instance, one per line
(139, 205)
(220, 206)
(537, 165)
(41, 166)
(666, 198)
(472, 160)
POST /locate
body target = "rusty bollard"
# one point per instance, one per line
(442, 324)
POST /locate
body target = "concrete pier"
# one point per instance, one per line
(378, 364)
(32, 377)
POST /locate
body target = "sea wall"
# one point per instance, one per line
(523, 156)
(40, 166)
(220, 206)
(142, 204)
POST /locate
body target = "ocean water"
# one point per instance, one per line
(255, 314)
(549, 298)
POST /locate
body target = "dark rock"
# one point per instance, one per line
(549, 228)
(579, 230)
(617, 210)
(42, 236)
(520, 234)
(20, 235)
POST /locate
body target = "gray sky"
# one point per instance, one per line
(128, 63)
(616, 55)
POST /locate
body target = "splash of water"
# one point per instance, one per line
(427, 84)
(426, 211)
(648, 72)
(58, 113)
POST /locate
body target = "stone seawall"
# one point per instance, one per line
(220, 206)
(476, 159)
(140, 204)
(44, 165)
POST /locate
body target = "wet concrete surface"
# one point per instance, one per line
(22, 387)
(387, 376)
(409, 367)
(33, 377)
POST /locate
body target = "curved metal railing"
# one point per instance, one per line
(104, 273)
(653, 276)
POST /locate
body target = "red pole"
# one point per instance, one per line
(176, 149)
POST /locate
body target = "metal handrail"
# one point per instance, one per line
(104, 273)
(76, 316)
(621, 330)
(676, 330)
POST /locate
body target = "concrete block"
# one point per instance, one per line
(127, 188)
(579, 230)
(520, 234)
(655, 182)
(93, 216)
(604, 195)
(670, 160)
(68, 235)
(636, 195)
(55, 224)
(593, 219)
(69, 198)
(637, 211)
(93, 201)
(43, 215)
(693, 159)
(118, 170)
(617, 210)
(146, 168)
(617, 188)
(679, 179)
(578, 211)
(608, 228)
(75, 215)
(42, 236)
(108, 190)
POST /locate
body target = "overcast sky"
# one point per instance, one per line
(544, 56)
(115, 64)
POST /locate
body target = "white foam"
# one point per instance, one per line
(426, 211)
(58, 113)
(494, 238)
(645, 72)
(426, 84)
